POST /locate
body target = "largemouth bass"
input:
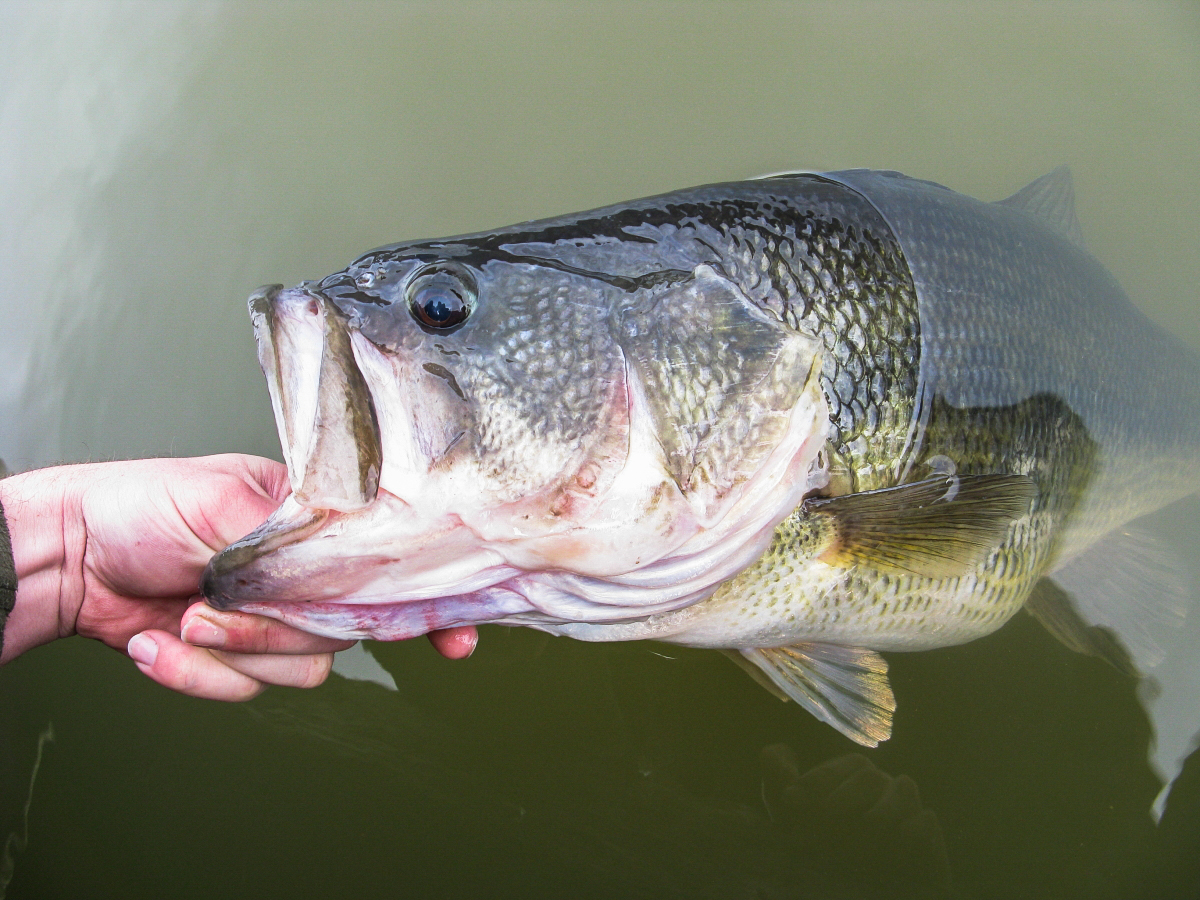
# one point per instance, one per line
(805, 419)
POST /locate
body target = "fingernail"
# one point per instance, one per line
(142, 649)
(201, 632)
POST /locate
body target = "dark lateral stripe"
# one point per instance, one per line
(341, 286)
(698, 206)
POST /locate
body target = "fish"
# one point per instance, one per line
(805, 420)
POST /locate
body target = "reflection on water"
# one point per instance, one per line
(552, 768)
(869, 825)
(17, 826)
(158, 162)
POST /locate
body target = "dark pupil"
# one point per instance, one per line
(440, 298)
(438, 307)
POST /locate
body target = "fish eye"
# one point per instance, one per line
(441, 296)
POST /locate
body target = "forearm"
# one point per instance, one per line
(48, 539)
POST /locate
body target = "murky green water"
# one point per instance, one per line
(157, 162)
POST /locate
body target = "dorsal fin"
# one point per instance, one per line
(1051, 199)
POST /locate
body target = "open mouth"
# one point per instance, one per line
(327, 426)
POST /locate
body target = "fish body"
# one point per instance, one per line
(803, 418)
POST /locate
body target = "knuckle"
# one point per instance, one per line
(176, 669)
(253, 634)
(315, 670)
(250, 689)
(266, 636)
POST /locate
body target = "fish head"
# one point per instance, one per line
(489, 429)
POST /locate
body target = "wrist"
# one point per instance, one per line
(45, 525)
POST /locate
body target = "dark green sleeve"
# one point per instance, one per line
(8, 575)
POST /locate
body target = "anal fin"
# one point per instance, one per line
(846, 687)
(1132, 589)
(1133, 585)
(1051, 605)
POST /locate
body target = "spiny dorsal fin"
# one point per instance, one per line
(1051, 199)
(846, 687)
(940, 527)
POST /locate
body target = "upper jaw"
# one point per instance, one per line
(323, 408)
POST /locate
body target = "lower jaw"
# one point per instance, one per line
(392, 621)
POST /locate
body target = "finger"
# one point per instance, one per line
(301, 670)
(268, 474)
(858, 793)
(272, 475)
(818, 784)
(203, 626)
(455, 643)
(900, 801)
(190, 670)
(823, 780)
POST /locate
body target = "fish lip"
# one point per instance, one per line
(229, 576)
(220, 576)
(261, 299)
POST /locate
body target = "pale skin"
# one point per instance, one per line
(114, 551)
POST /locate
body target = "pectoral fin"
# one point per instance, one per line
(939, 527)
(847, 687)
(740, 658)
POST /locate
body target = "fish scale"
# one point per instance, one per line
(858, 605)
(869, 372)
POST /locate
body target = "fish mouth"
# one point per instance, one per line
(338, 536)
(383, 571)
(327, 425)
(231, 578)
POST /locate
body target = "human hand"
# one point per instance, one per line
(114, 551)
(857, 824)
